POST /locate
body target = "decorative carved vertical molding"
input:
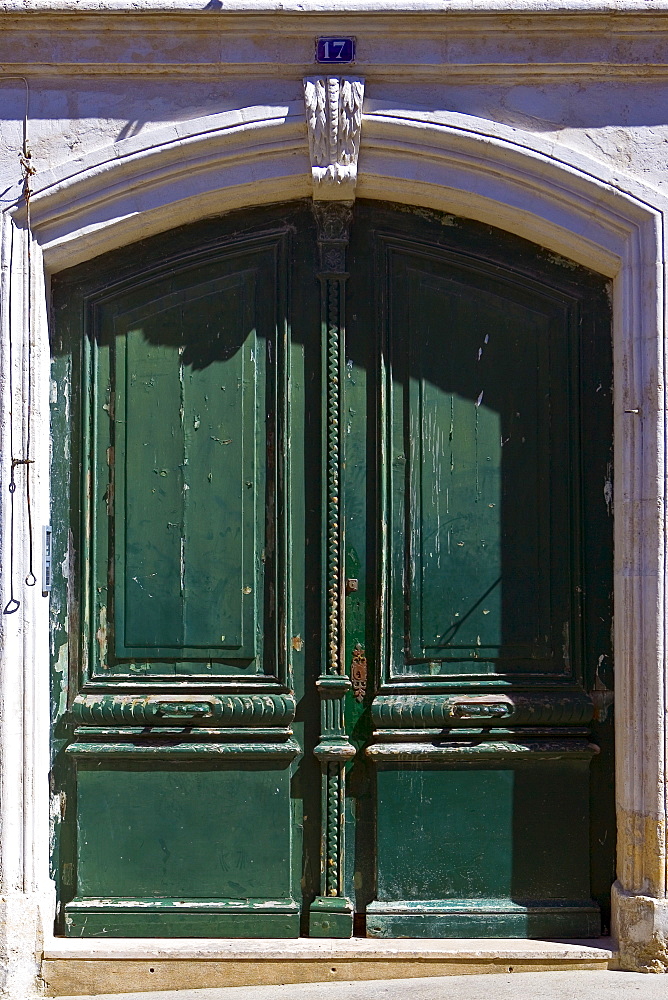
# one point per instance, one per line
(334, 122)
(332, 913)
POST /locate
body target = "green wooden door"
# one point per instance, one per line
(490, 402)
(274, 468)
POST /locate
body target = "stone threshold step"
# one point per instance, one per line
(96, 966)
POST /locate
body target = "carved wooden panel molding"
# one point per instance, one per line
(213, 709)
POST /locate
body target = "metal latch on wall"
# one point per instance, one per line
(47, 576)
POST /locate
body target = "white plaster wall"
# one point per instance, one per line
(548, 119)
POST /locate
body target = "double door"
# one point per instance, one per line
(334, 610)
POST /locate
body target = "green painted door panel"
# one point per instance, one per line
(184, 423)
(199, 839)
(476, 510)
(480, 717)
(193, 439)
(460, 852)
(190, 472)
(155, 842)
(474, 850)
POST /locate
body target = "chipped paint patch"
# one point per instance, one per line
(101, 636)
(57, 806)
(566, 643)
(556, 258)
(60, 666)
(602, 696)
(607, 489)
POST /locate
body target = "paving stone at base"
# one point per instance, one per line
(599, 985)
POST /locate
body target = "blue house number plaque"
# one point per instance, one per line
(335, 50)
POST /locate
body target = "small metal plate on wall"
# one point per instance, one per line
(335, 50)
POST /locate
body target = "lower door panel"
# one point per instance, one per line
(194, 847)
(484, 839)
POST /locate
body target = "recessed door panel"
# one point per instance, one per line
(190, 472)
(480, 377)
(183, 850)
(183, 396)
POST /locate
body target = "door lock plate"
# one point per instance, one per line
(358, 673)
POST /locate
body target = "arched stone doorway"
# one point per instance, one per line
(577, 207)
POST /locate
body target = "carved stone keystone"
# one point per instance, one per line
(334, 121)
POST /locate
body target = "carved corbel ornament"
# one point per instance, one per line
(334, 122)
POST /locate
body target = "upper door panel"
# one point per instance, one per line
(480, 406)
(190, 471)
(183, 388)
